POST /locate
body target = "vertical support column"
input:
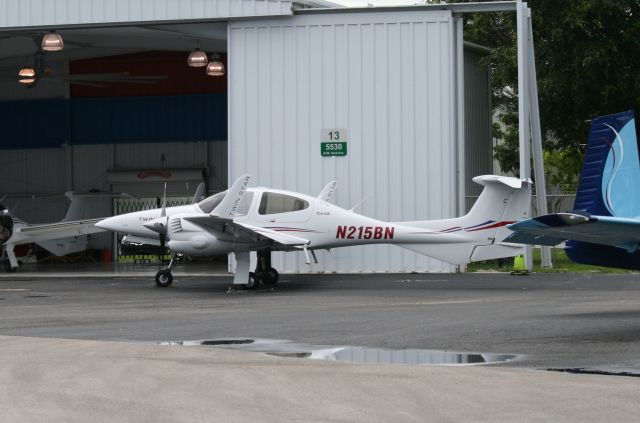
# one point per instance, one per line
(458, 26)
(460, 118)
(523, 106)
(536, 138)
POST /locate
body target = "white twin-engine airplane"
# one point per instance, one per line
(242, 219)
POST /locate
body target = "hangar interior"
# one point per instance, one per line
(119, 109)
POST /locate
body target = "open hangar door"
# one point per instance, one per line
(75, 131)
(391, 82)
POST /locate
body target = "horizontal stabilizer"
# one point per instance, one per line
(61, 229)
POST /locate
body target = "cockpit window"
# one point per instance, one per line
(208, 204)
(273, 203)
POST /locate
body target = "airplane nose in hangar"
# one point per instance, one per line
(114, 224)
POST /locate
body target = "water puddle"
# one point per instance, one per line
(283, 348)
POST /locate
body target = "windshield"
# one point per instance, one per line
(274, 203)
(208, 204)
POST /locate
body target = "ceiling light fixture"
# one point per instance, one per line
(197, 58)
(52, 41)
(27, 75)
(215, 66)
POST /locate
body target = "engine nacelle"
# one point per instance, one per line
(197, 244)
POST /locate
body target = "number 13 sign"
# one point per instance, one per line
(333, 142)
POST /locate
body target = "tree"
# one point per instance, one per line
(588, 64)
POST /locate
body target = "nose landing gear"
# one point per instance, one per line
(164, 278)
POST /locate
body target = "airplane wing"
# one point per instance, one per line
(552, 229)
(42, 232)
(278, 237)
(228, 230)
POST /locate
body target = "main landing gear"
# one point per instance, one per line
(264, 274)
(8, 259)
(164, 278)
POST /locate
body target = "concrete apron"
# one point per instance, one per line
(47, 380)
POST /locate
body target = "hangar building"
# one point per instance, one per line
(119, 108)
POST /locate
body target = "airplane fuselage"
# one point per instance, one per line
(323, 224)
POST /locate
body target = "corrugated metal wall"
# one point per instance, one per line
(27, 13)
(28, 172)
(386, 78)
(477, 114)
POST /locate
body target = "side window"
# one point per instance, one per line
(245, 205)
(273, 203)
(208, 204)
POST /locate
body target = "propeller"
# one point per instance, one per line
(161, 227)
(161, 224)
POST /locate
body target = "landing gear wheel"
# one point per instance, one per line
(269, 277)
(164, 278)
(253, 282)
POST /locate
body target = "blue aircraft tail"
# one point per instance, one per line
(609, 186)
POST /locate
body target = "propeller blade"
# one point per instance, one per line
(163, 211)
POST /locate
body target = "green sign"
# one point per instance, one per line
(338, 148)
(333, 142)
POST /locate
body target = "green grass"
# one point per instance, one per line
(561, 264)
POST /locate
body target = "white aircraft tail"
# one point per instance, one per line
(504, 200)
(89, 205)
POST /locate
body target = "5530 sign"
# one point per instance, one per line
(333, 142)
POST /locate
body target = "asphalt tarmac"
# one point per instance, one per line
(551, 321)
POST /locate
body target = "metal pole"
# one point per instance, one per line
(523, 108)
(536, 139)
(460, 118)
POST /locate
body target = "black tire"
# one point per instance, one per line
(253, 282)
(164, 278)
(269, 277)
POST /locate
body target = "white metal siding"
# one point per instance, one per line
(389, 80)
(36, 13)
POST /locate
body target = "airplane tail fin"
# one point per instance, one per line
(504, 200)
(608, 185)
(89, 205)
(610, 168)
